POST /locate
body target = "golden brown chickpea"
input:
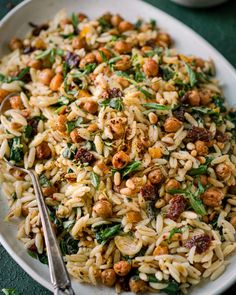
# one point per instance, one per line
(199, 62)
(3, 94)
(164, 39)
(48, 191)
(75, 137)
(205, 97)
(172, 184)
(122, 47)
(89, 58)
(108, 277)
(117, 126)
(104, 51)
(103, 208)
(78, 43)
(43, 151)
(45, 76)
(150, 67)
(92, 127)
(201, 148)
(146, 49)
(233, 221)
(122, 81)
(133, 216)
(16, 102)
(56, 82)
(193, 98)
(15, 43)
(122, 268)
(160, 250)
(123, 65)
(116, 20)
(90, 106)
(120, 160)
(172, 125)
(82, 16)
(156, 176)
(212, 197)
(223, 170)
(35, 64)
(125, 26)
(137, 286)
(61, 123)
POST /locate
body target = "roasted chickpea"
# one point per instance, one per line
(156, 176)
(160, 250)
(3, 94)
(199, 62)
(61, 123)
(82, 16)
(133, 217)
(75, 137)
(150, 67)
(45, 76)
(223, 170)
(164, 39)
(103, 208)
(146, 49)
(15, 43)
(48, 191)
(108, 277)
(122, 268)
(117, 126)
(123, 65)
(205, 97)
(16, 102)
(92, 127)
(122, 81)
(35, 64)
(90, 106)
(125, 26)
(192, 97)
(116, 20)
(120, 160)
(172, 125)
(122, 47)
(172, 184)
(56, 82)
(137, 286)
(203, 180)
(89, 58)
(101, 51)
(233, 221)
(43, 151)
(201, 148)
(212, 197)
(78, 43)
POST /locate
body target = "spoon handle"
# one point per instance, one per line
(58, 272)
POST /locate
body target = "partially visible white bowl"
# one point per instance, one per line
(186, 41)
(199, 3)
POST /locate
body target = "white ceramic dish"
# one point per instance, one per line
(16, 24)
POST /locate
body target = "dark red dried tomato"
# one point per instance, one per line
(179, 113)
(84, 156)
(112, 93)
(221, 137)
(38, 28)
(198, 133)
(202, 243)
(177, 206)
(149, 192)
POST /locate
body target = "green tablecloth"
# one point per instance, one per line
(218, 26)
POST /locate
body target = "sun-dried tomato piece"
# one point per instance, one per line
(198, 133)
(179, 113)
(84, 156)
(202, 243)
(149, 192)
(177, 206)
(221, 137)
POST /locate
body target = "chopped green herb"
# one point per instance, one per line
(43, 180)
(14, 196)
(152, 211)
(132, 167)
(103, 56)
(202, 169)
(95, 179)
(104, 235)
(41, 257)
(232, 117)
(156, 106)
(192, 75)
(172, 289)
(28, 131)
(167, 73)
(10, 291)
(75, 22)
(113, 60)
(67, 225)
(153, 23)
(69, 245)
(62, 101)
(50, 53)
(138, 24)
(68, 36)
(219, 102)
(114, 103)
(174, 231)
(16, 149)
(71, 125)
(139, 76)
(104, 24)
(20, 77)
(69, 152)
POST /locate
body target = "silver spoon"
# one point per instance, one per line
(58, 273)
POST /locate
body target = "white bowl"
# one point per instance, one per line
(199, 3)
(188, 42)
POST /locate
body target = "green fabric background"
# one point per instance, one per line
(218, 26)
